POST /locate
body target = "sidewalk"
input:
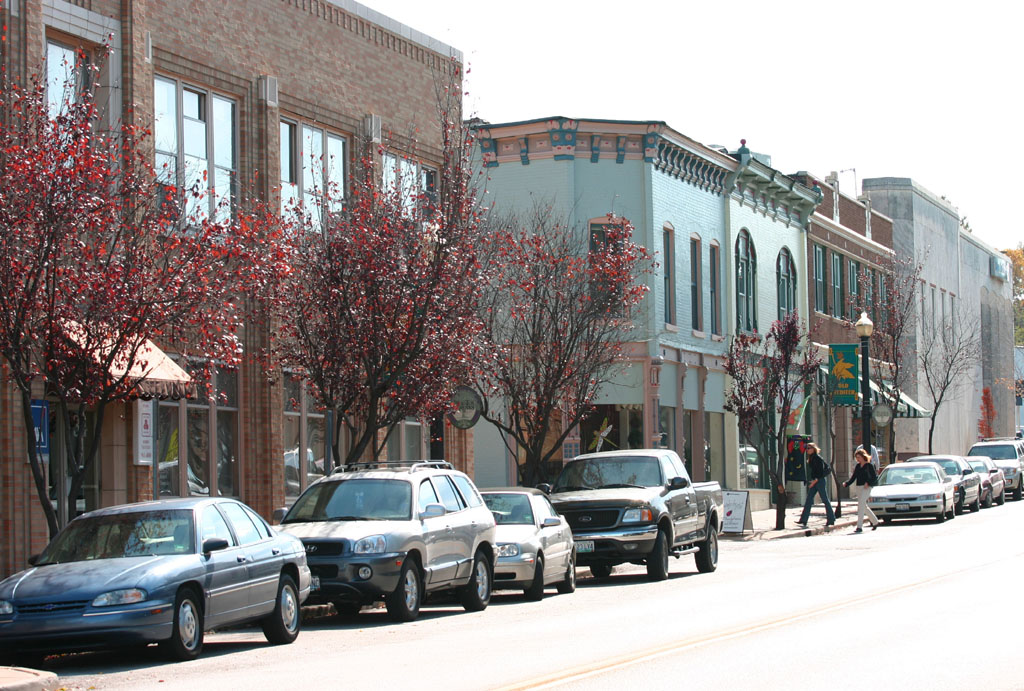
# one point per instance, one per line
(24, 679)
(764, 523)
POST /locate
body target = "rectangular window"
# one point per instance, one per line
(820, 289)
(934, 325)
(883, 299)
(869, 294)
(194, 135)
(313, 169)
(838, 299)
(305, 435)
(854, 284)
(668, 274)
(713, 284)
(695, 297)
(64, 78)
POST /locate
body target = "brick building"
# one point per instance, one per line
(256, 96)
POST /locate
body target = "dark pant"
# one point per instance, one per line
(820, 487)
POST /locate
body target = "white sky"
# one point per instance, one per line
(930, 91)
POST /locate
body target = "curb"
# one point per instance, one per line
(24, 679)
(819, 529)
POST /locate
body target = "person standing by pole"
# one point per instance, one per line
(865, 477)
(820, 471)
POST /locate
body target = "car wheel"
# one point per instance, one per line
(707, 555)
(960, 504)
(476, 594)
(601, 570)
(568, 584)
(1019, 491)
(952, 512)
(283, 624)
(186, 641)
(976, 504)
(657, 560)
(403, 603)
(987, 503)
(941, 516)
(536, 590)
(1001, 499)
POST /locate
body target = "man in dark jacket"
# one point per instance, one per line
(817, 486)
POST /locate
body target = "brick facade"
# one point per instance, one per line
(335, 64)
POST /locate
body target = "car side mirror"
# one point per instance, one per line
(678, 483)
(993, 470)
(33, 559)
(544, 487)
(433, 511)
(279, 515)
(213, 544)
(551, 522)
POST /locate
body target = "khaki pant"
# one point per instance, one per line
(863, 492)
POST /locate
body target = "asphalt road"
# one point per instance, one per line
(913, 606)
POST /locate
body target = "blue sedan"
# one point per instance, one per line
(156, 572)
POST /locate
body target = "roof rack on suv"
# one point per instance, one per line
(999, 439)
(394, 465)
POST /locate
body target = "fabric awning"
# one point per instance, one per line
(906, 408)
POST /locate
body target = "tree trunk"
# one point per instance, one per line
(37, 468)
(780, 507)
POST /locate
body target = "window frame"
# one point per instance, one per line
(838, 293)
(696, 294)
(785, 282)
(714, 279)
(331, 195)
(853, 279)
(820, 285)
(746, 289)
(668, 248)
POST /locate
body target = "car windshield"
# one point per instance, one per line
(610, 471)
(950, 467)
(130, 534)
(979, 466)
(510, 508)
(997, 452)
(356, 499)
(893, 475)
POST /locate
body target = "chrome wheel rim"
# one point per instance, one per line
(482, 585)
(289, 609)
(188, 625)
(412, 590)
(713, 547)
(572, 573)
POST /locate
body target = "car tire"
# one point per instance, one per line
(535, 592)
(987, 503)
(283, 624)
(657, 560)
(568, 584)
(476, 594)
(1001, 499)
(941, 516)
(975, 505)
(707, 554)
(960, 506)
(952, 513)
(186, 641)
(601, 570)
(1019, 491)
(403, 603)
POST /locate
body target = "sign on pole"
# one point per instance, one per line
(843, 373)
(41, 423)
(144, 432)
(737, 512)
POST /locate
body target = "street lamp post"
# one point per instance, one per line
(864, 328)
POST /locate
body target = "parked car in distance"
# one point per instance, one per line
(913, 490)
(534, 543)
(1008, 454)
(394, 532)
(966, 482)
(637, 506)
(155, 572)
(993, 482)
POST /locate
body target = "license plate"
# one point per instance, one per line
(314, 583)
(584, 546)
(903, 507)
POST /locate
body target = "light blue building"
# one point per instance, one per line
(688, 204)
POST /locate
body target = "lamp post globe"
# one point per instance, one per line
(865, 327)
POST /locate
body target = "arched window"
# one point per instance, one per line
(746, 283)
(785, 281)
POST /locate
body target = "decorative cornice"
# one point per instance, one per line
(688, 165)
(773, 193)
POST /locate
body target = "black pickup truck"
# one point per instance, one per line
(637, 506)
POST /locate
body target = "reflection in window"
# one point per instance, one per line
(304, 428)
(313, 169)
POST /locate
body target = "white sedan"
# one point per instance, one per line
(913, 490)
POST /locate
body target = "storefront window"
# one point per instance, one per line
(612, 427)
(304, 428)
(167, 449)
(687, 442)
(667, 427)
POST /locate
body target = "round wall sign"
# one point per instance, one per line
(881, 414)
(467, 408)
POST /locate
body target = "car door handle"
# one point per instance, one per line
(241, 559)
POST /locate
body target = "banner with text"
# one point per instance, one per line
(843, 373)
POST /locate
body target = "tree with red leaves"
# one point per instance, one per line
(557, 311)
(767, 376)
(379, 314)
(988, 414)
(95, 262)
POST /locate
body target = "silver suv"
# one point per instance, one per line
(395, 532)
(1008, 454)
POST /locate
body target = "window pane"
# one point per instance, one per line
(288, 153)
(214, 525)
(167, 453)
(395, 443)
(312, 161)
(167, 169)
(198, 451)
(224, 132)
(291, 441)
(336, 165)
(244, 528)
(427, 495)
(227, 453)
(165, 116)
(413, 437)
(449, 497)
(390, 165)
(61, 84)
(315, 448)
(194, 138)
(222, 194)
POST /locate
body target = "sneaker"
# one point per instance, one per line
(858, 530)
(801, 524)
(830, 523)
(874, 527)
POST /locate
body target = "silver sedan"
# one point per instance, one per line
(534, 544)
(913, 490)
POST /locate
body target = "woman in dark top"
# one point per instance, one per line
(864, 476)
(818, 485)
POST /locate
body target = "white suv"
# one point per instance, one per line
(1008, 454)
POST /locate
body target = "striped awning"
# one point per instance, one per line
(906, 408)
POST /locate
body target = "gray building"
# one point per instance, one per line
(962, 277)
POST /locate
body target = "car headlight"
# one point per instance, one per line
(508, 549)
(638, 516)
(929, 497)
(126, 596)
(875, 500)
(375, 544)
(6, 607)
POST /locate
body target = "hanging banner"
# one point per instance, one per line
(843, 373)
(143, 432)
